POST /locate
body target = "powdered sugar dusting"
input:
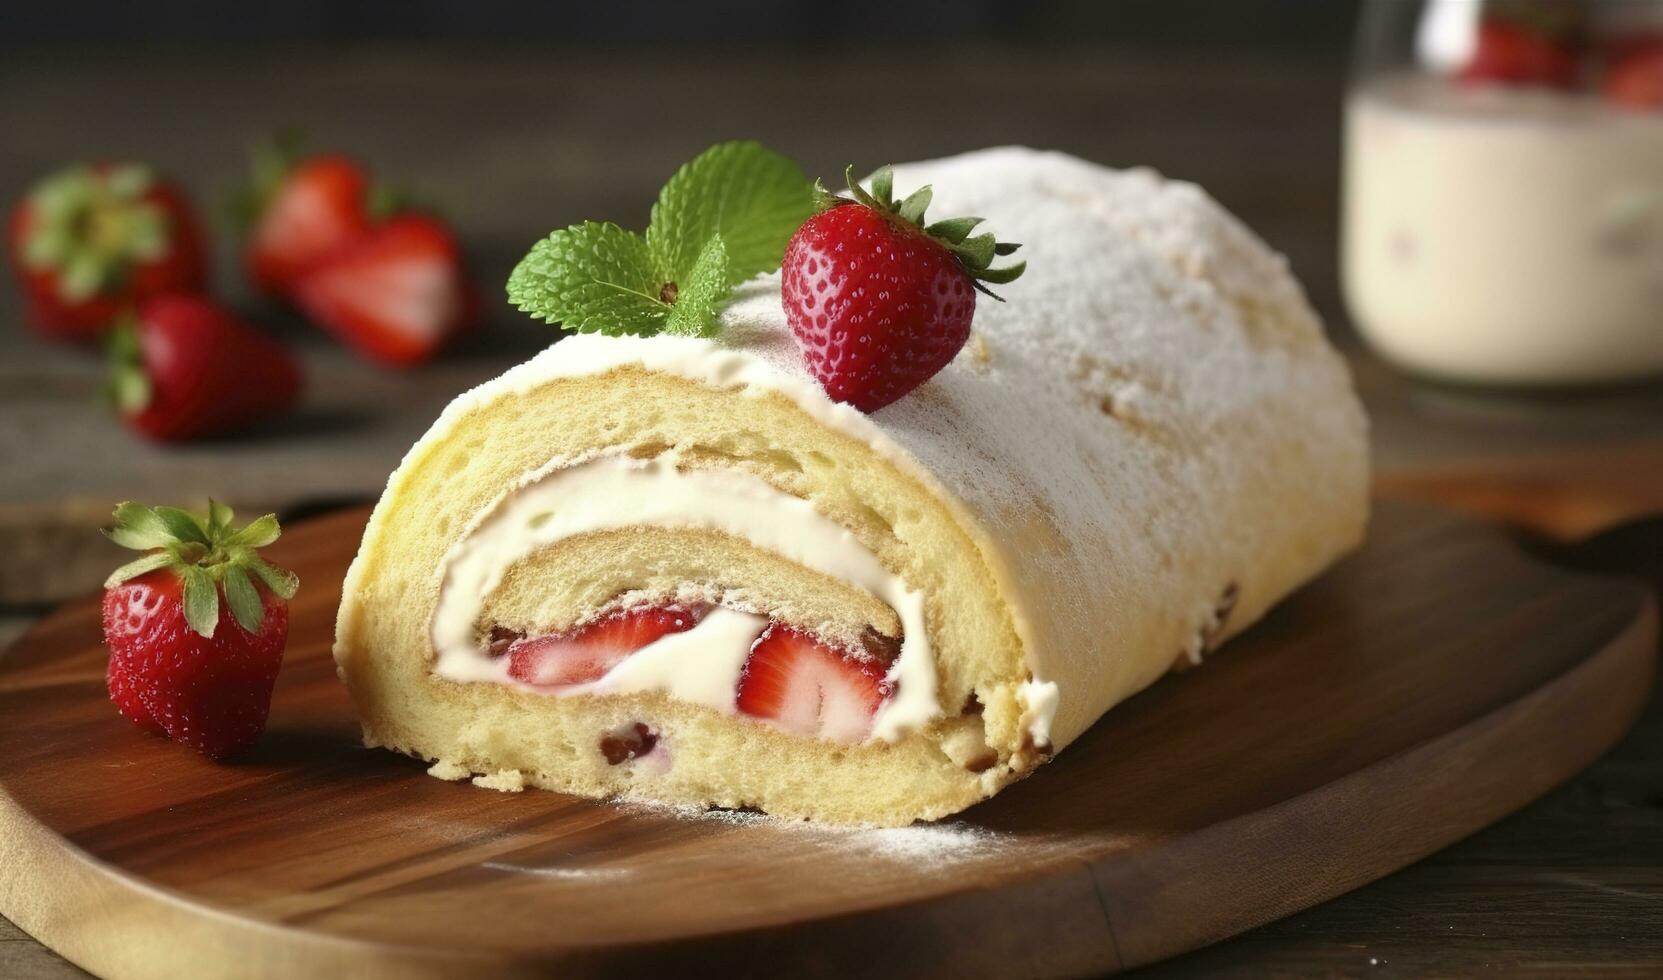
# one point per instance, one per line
(678, 847)
(919, 846)
(925, 843)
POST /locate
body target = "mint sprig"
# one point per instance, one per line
(207, 554)
(741, 190)
(592, 277)
(724, 217)
(694, 307)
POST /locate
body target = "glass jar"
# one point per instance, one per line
(1503, 202)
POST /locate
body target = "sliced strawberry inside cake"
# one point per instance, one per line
(585, 654)
(812, 688)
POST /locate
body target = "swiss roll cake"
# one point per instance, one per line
(673, 569)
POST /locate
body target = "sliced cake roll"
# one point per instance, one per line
(672, 569)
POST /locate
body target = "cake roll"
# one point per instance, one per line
(671, 569)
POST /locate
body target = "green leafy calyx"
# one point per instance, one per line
(974, 253)
(269, 164)
(127, 386)
(208, 554)
(722, 218)
(91, 225)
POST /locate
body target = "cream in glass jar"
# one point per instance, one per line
(1500, 232)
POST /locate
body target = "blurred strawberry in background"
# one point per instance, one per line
(302, 212)
(1512, 53)
(185, 368)
(385, 279)
(1635, 76)
(92, 240)
(114, 251)
(396, 295)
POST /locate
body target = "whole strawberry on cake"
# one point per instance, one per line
(802, 518)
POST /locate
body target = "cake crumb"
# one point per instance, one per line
(503, 780)
(449, 771)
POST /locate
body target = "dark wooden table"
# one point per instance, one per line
(517, 141)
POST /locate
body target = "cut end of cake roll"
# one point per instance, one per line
(623, 581)
(672, 570)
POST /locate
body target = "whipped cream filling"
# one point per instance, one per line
(701, 665)
(1039, 706)
(764, 363)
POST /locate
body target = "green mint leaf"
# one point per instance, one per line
(591, 277)
(754, 198)
(138, 527)
(139, 566)
(243, 599)
(257, 534)
(724, 217)
(201, 599)
(699, 297)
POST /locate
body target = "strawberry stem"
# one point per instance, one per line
(269, 163)
(974, 255)
(208, 554)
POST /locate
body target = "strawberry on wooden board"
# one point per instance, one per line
(1634, 78)
(1509, 53)
(587, 652)
(301, 212)
(92, 240)
(810, 688)
(125, 693)
(185, 368)
(396, 294)
(196, 628)
(879, 302)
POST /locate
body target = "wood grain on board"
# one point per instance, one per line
(1433, 683)
(1569, 497)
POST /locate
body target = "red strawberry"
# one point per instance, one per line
(878, 302)
(310, 211)
(396, 294)
(1510, 54)
(587, 652)
(809, 688)
(118, 676)
(1635, 78)
(90, 241)
(196, 629)
(186, 368)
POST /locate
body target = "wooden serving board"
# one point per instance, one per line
(1433, 683)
